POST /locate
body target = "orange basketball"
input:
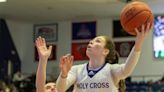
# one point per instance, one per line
(134, 14)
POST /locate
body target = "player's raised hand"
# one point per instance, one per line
(66, 64)
(141, 34)
(42, 49)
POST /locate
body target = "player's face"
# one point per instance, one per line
(96, 46)
(50, 87)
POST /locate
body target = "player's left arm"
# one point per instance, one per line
(44, 54)
(124, 70)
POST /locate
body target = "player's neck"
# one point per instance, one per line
(96, 63)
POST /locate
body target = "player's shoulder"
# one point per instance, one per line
(111, 66)
(115, 66)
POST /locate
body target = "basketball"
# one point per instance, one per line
(134, 15)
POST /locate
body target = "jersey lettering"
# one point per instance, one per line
(92, 85)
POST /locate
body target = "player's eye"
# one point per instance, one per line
(98, 40)
(48, 87)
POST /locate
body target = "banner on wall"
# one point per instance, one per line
(124, 47)
(47, 31)
(79, 50)
(83, 30)
(118, 31)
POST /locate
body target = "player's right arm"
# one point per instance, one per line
(66, 77)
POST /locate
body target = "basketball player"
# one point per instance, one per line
(99, 74)
(41, 71)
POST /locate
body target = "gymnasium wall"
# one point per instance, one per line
(22, 34)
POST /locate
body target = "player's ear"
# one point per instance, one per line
(106, 52)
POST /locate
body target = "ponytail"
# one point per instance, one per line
(113, 58)
(121, 86)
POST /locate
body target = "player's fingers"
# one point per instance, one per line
(36, 43)
(43, 41)
(72, 59)
(62, 60)
(39, 40)
(64, 57)
(50, 48)
(148, 27)
(137, 31)
(143, 29)
(68, 58)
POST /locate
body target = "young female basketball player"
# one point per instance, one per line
(44, 53)
(99, 74)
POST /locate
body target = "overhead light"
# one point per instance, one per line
(3, 0)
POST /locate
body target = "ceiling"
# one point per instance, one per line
(59, 10)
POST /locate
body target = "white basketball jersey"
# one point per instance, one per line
(101, 81)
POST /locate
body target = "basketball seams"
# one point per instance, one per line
(133, 32)
(138, 25)
(135, 15)
(148, 19)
